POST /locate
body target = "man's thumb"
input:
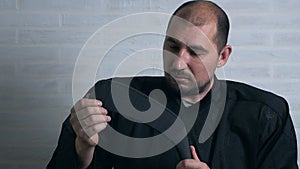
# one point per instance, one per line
(194, 153)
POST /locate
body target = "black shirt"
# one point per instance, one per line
(241, 128)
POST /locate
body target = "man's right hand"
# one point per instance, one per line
(88, 118)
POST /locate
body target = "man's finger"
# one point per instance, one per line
(194, 153)
(95, 129)
(83, 103)
(94, 119)
(89, 111)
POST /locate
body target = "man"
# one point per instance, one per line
(235, 127)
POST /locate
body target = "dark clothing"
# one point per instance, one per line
(253, 128)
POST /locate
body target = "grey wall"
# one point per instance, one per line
(41, 39)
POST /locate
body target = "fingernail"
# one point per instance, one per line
(108, 118)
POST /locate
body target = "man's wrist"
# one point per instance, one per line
(84, 152)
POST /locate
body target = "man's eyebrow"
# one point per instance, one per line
(170, 39)
(198, 48)
(192, 47)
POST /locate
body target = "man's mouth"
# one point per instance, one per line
(181, 78)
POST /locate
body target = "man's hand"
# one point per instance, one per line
(88, 118)
(194, 163)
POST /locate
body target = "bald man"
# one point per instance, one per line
(222, 124)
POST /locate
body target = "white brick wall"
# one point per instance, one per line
(41, 39)
(8, 36)
(7, 4)
(51, 5)
(26, 19)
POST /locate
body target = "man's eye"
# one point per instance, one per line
(174, 47)
(192, 53)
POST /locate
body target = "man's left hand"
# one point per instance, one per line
(194, 163)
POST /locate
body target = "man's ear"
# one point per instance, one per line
(224, 55)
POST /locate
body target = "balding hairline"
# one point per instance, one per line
(195, 16)
(210, 12)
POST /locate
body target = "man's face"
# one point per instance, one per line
(190, 55)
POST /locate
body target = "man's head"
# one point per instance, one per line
(198, 12)
(195, 45)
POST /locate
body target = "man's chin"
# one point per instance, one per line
(184, 87)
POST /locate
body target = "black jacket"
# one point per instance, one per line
(243, 128)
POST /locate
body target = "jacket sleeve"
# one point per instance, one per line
(64, 156)
(278, 145)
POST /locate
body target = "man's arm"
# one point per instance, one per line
(64, 155)
(88, 118)
(79, 135)
(278, 145)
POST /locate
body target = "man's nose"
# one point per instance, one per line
(181, 61)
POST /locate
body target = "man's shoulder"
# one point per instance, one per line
(140, 85)
(132, 79)
(242, 92)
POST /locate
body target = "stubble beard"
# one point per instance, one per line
(190, 91)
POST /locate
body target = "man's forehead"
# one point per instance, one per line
(183, 27)
(184, 31)
(190, 36)
(179, 26)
